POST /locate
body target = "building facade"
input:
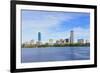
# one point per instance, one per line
(81, 41)
(39, 39)
(67, 40)
(71, 37)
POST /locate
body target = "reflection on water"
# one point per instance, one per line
(54, 54)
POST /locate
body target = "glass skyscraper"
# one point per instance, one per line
(71, 37)
(39, 36)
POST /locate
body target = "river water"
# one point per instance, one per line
(54, 54)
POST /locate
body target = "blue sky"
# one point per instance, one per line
(54, 25)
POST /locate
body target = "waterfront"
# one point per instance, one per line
(54, 54)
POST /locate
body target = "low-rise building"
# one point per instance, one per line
(81, 41)
(67, 41)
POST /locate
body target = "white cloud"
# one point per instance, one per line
(42, 22)
(81, 33)
(45, 21)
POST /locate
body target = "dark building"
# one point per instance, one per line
(39, 36)
(39, 39)
(71, 37)
(66, 40)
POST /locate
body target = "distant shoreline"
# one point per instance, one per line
(55, 47)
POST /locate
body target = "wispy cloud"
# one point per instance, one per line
(44, 20)
(81, 33)
(52, 25)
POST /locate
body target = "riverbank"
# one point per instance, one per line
(55, 46)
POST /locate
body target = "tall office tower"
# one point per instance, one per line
(71, 37)
(39, 36)
(39, 39)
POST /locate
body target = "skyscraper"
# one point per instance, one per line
(71, 37)
(39, 36)
(39, 39)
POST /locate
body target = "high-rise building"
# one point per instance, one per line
(39, 36)
(39, 39)
(71, 37)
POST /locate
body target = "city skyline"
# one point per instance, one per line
(54, 25)
(69, 40)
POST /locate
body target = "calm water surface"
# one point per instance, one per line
(54, 54)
